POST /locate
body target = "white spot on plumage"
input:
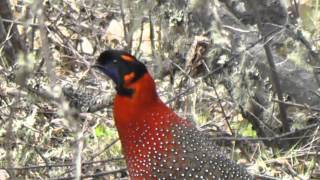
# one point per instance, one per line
(166, 158)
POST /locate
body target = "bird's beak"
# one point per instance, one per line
(95, 66)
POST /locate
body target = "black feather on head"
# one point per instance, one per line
(116, 64)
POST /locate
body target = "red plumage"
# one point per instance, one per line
(156, 142)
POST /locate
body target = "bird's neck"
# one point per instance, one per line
(144, 93)
(128, 108)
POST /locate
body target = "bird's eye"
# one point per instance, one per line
(115, 61)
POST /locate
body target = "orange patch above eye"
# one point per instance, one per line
(128, 77)
(128, 58)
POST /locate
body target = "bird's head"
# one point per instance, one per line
(122, 68)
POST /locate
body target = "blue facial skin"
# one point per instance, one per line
(111, 72)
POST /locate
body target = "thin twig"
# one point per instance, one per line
(94, 175)
(141, 37)
(273, 71)
(20, 22)
(303, 106)
(33, 167)
(151, 34)
(125, 28)
(107, 147)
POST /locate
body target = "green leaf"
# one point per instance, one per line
(248, 131)
(102, 131)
